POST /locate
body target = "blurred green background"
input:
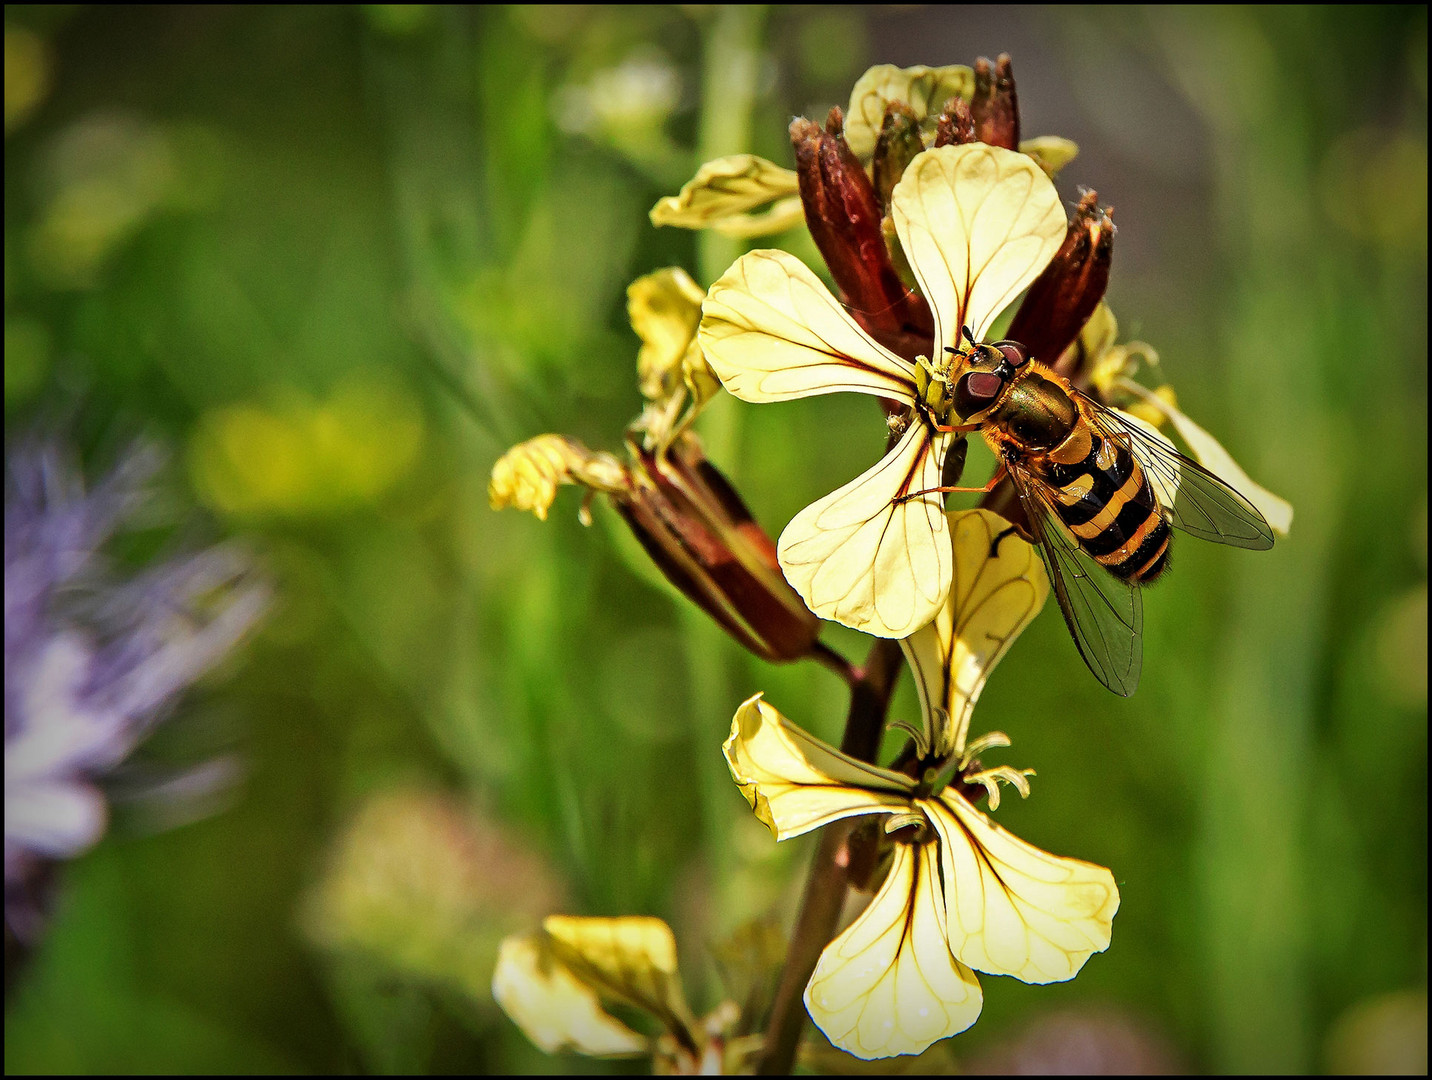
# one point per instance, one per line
(340, 258)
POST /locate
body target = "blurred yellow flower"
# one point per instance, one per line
(552, 985)
(978, 224)
(27, 74)
(307, 458)
(426, 887)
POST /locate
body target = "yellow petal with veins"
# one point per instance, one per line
(1014, 909)
(795, 782)
(632, 959)
(924, 90)
(1212, 456)
(552, 1007)
(724, 192)
(889, 985)
(772, 331)
(996, 591)
(978, 224)
(862, 558)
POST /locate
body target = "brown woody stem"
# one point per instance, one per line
(825, 888)
(831, 660)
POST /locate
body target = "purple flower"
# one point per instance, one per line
(94, 658)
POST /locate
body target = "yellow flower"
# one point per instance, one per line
(1110, 369)
(978, 224)
(962, 894)
(553, 984)
(665, 309)
(742, 195)
(925, 91)
(747, 196)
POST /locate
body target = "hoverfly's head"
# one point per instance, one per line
(985, 371)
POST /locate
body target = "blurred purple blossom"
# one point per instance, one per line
(94, 658)
(1080, 1041)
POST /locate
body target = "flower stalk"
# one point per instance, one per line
(829, 879)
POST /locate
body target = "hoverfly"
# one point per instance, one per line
(1089, 480)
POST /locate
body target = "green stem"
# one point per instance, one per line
(730, 58)
(825, 888)
(731, 39)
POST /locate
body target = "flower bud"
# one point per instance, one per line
(844, 217)
(995, 105)
(1063, 297)
(700, 534)
(896, 147)
(956, 125)
(689, 519)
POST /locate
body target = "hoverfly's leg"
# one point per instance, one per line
(955, 429)
(950, 490)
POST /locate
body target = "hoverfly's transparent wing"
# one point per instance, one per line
(1105, 614)
(1205, 506)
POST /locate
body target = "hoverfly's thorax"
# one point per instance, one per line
(1036, 413)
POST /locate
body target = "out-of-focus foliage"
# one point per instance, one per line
(341, 258)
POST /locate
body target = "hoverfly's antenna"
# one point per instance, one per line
(965, 330)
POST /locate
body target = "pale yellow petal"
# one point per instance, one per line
(664, 308)
(781, 215)
(772, 331)
(795, 782)
(864, 559)
(924, 90)
(995, 593)
(528, 475)
(1014, 909)
(889, 985)
(553, 1008)
(1050, 152)
(632, 959)
(1212, 456)
(1094, 350)
(723, 193)
(978, 224)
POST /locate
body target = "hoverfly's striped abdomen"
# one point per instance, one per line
(1104, 497)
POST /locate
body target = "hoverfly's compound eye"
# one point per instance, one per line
(976, 392)
(1014, 352)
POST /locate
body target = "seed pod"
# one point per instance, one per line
(844, 216)
(995, 105)
(1063, 297)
